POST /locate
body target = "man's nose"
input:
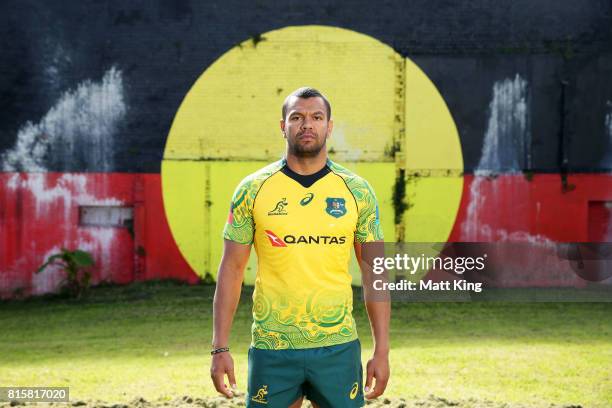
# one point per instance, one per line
(307, 123)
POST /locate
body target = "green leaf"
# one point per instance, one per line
(82, 258)
(49, 261)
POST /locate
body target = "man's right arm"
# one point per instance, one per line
(227, 296)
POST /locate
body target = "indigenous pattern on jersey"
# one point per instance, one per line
(303, 229)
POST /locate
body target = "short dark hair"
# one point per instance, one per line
(307, 92)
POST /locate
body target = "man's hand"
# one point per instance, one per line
(227, 296)
(378, 368)
(223, 364)
(379, 312)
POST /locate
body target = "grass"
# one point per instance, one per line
(151, 340)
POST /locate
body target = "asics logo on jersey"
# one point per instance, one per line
(307, 199)
(303, 239)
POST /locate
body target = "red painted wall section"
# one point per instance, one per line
(39, 214)
(512, 208)
(536, 214)
(163, 259)
(600, 220)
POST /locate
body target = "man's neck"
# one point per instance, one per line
(306, 165)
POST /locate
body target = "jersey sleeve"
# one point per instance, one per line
(240, 226)
(368, 222)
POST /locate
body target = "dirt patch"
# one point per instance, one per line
(431, 401)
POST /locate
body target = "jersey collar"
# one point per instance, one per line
(305, 180)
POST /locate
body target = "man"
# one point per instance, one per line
(303, 214)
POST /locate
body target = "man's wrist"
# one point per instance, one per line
(382, 351)
(218, 350)
(218, 343)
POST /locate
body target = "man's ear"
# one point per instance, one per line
(282, 126)
(330, 127)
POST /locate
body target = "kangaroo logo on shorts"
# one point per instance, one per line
(261, 395)
(335, 207)
(354, 391)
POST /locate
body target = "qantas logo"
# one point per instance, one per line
(276, 241)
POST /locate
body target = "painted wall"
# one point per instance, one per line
(92, 92)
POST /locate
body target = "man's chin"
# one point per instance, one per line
(306, 152)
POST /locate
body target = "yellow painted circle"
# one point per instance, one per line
(228, 126)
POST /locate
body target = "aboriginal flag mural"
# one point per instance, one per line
(125, 127)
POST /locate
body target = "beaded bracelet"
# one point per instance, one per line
(219, 350)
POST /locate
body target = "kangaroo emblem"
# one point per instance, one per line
(280, 208)
(261, 395)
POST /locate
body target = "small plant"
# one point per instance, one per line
(74, 264)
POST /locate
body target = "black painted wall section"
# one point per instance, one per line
(562, 48)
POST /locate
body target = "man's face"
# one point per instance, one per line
(306, 126)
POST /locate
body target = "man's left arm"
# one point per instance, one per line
(379, 313)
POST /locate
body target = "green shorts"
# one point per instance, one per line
(329, 376)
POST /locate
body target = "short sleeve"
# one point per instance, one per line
(368, 222)
(240, 226)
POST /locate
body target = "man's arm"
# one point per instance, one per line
(379, 313)
(227, 296)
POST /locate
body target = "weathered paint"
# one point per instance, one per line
(108, 100)
(83, 120)
(506, 141)
(161, 49)
(511, 208)
(237, 100)
(39, 215)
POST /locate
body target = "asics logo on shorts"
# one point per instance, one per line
(354, 391)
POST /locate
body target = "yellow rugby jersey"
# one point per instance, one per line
(303, 229)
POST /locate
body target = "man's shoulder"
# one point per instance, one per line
(248, 188)
(352, 179)
(258, 177)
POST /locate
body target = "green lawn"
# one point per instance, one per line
(152, 340)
